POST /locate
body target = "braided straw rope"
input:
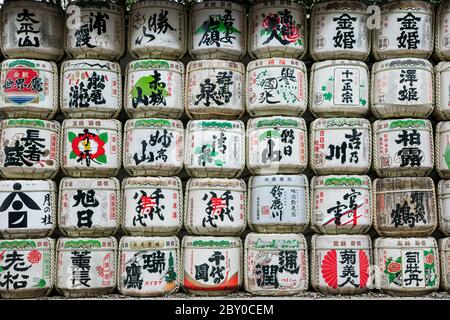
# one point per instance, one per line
(444, 224)
(445, 269)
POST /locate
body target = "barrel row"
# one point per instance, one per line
(36, 149)
(270, 264)
(220, 30)
(219, 89)
(147, 206)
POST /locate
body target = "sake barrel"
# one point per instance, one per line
(29, 88)
(278, 203)
(154, 88)
(211, 265)
(215, 206)
(217, 30)
(341, 204)
(341, 264)
(215, 89)
(27, 268)
(275, 264)
(444, 249)
(339, 88)
(276, 145)
(407, 29)
(406, 266)
(339, 31)
(404, 207)
(443, 149)
(277, 29)
(153, 147)
(152, 206)
(91, 89)
(27, 208)
(157, 29)
(29, 148)
(276, 86)
(214, 148)
(149, 266)
(442, 96)
(91, 147)
(442, 32)
(443, 201)
(403, 147)
(340, 146)
(402, 88)
(89, 207)
(32, 29)
(86, 266)
(95, 29)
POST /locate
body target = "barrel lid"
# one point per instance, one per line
(401, 184)
(338, 63)
(398, 63)
(260, 4)
(333, 181)
(399, 243)
(400, 124)
(337, 123)
(98, 4)
(149, 243)
(104, 124)
(136, 182)
(325, 242)
(443, 126)
(276, 122)
(50, 66)
(234, 4)
(211, 183)
(200, 242)
(276, 62)
(274, 241)
(90, 64)
(68, 183)
(413, 5)
(27, 185)
(139, 4)
(215, 64)
(444, 187)
(298, 180)
(330, 6)
(93, 244)
(216, 124)
(25, 244)
(31, 123)
(158, 64)
(153, 123)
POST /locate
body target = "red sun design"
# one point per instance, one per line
(329, 269)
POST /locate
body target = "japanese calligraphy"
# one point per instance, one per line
(280, 86)
(410, 153)
(26, 151)
(407, 215)
(282, 27)
(345, 36)
(87, 200)
(351, 145)
(267, 274)
(408, 93)
(96, 24)
(217, 92)
(82, 93)
(150, 91)
(159, 141)
(348, 206)
(81, 266)
(287, 139)
(13, 275)
(158, 23)
(347, 89)
(217, 207)
(148, 206)
(154, 262)
(217, 30)
(412, 272)
(88, 147)
(409, 37)
(28, 30)
(202, 272)
(349, 272)
(207, 152)
(133, 279)
(277, 206)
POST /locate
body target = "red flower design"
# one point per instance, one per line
(82, 145)
(292, 33)
(271, 21)
(394, 267)
(429, 259)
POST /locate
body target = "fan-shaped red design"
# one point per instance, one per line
(329, 269)
(363, 269)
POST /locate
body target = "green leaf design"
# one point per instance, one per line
(41, 283)
(72, 155)
(447, 155)
(363, 101)
(328, 96)
(268, 134)
(72, 136)
(324, 88)
(147, 90)
(104, 137)
(219, 163)
(102, 158)
(1, 269)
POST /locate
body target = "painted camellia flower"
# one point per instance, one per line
(292, 34)
(394, 267)
(88, 146)
(271, 21)
(429, 259)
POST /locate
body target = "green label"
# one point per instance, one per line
(211, 243)
(212, 124)
(277, 244)
(18, 244)
(27, 122)
(343, 181)
(22, 62)
(152, 122)
(83, 244)
(147, 64)
(277, 122)
(408, 123)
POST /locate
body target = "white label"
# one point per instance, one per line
(81, 268)
(403, 149)
(444, 103)
(151, 207)
(215, 149)
(444, 42)
(154, 89)
(340, 31)
(153, 271)
(413, 268)
(408, 85)
(216, 210)
(405, 31)
(26, 210)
